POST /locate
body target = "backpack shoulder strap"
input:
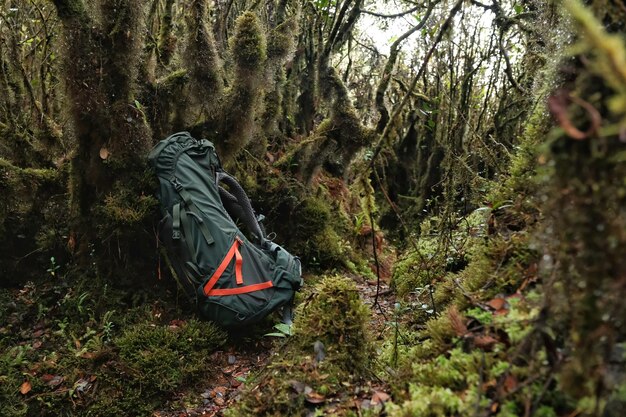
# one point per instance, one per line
(237, 200)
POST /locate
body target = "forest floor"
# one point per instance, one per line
(73, 346)
(240, 362)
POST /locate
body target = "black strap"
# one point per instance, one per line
(237, 196)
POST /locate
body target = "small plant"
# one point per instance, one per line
(283, 330)
(53, 267)
(107, 325)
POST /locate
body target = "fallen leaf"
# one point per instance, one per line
(497, 303)
(489, 384)
(55, 381)
(25, 388)
(485, 341)
(380, 397)
(510, 383)
(297, 386)
(177, 323)
(37, 344)
(314, 398)
(71, 243)
(82, 385)
(104, 153)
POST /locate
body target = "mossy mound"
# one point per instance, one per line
(331, 349)
(336, 317)
(164, 357)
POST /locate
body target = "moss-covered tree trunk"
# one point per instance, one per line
(587, 209)
(109, 207)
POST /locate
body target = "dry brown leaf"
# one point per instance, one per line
(314, 398)
(104, 153)
(484, 341)
(25, 388)
(380, 397)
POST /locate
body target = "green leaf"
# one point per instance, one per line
(275, 334)
(283, 328)
(518, 8)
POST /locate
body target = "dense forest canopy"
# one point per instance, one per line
(452, 174)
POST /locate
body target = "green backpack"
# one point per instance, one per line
(234, 281)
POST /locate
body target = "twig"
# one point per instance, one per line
(375, 259)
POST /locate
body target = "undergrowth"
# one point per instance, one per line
(77, 346)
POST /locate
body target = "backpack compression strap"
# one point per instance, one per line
(240, 289)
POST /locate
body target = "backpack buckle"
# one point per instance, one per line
(175, 235)
(177, 185)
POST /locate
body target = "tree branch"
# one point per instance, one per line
(391, 62)
(394, 15)
(383, 136)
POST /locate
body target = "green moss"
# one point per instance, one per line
(337, 317)
(329, 350)
(126, 209)
(281, 40)
(162, 358)
(318, 235)
(417, 269)
(11, 378)
(428, 402)
(248, 44)
(201, 56)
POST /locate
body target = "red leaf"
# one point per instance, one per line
(497, 303)
(25, 388)
(510, 383)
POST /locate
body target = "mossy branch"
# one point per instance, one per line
(167, 41)
(201, 57)
(69, 9)
(385, 78)
(249, 50)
